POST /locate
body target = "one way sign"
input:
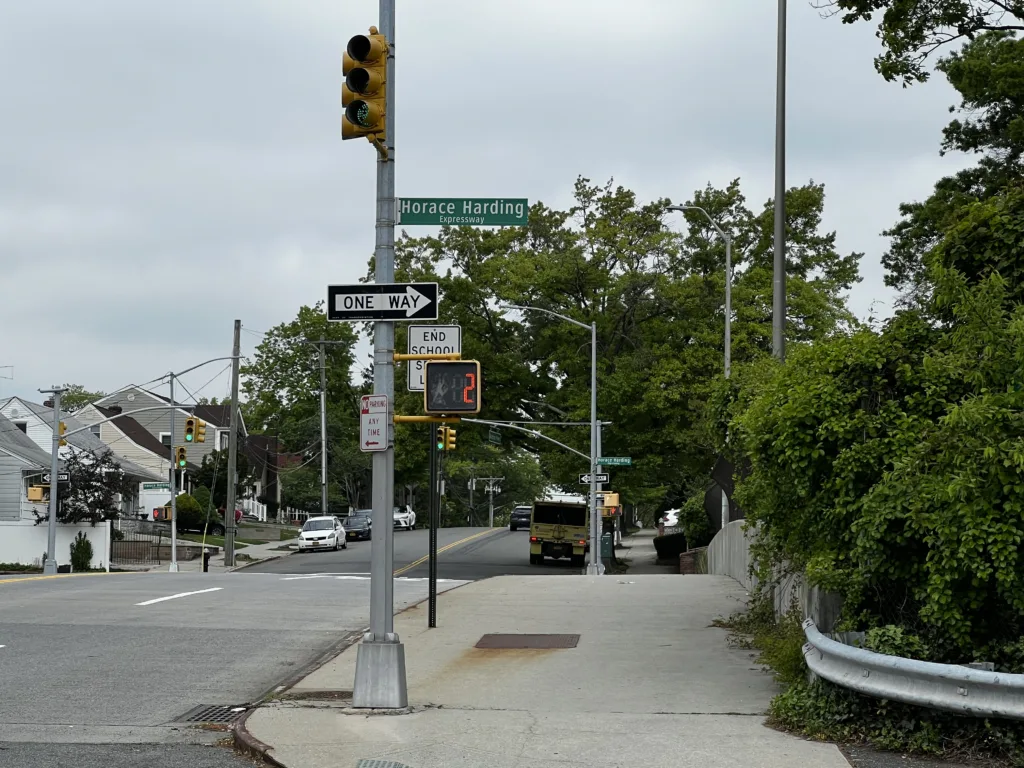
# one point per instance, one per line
(62, 477)
(601, 477)
(382, 301)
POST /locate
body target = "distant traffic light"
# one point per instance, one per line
(200, 431)
(364, 93)
(179, 457)
(61, 430)
(451, 386)
(449, 441)
(440, 438)
(190, 429)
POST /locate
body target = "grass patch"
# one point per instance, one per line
(289, 533)
(19, 568)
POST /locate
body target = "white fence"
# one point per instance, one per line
(23, 542)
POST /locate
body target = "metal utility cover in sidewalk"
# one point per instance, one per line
(533, 642)
(213, 713)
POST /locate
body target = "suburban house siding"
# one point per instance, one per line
(122, 445)
(40, 433)
(10, 487)
(157, 422)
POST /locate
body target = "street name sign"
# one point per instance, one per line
(62, 477)
(430, 340)
(601, 477)
(464, 211)
(373, 423)
(382, 301)
(615, 461)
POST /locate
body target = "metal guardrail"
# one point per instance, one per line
(948, 687)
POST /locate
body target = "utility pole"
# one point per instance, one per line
(779, 281)
(323, 428)
(472, 487)
(229, 508)
(491, 489)
(50, 566)
(173, 567)
(380, 679)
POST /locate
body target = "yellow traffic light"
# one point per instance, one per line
(190, 429)
(62, 429)
(179, 457)
(200, 431)
(449, 439)
(363, 95)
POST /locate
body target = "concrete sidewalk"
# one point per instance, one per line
(649, 684)
(639, 552)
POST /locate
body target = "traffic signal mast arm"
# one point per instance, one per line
(131, 413)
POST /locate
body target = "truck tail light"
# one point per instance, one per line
(534, 538)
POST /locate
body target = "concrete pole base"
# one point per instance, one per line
(595, 569)
(380, 676)
(172, 568)
(49, 567)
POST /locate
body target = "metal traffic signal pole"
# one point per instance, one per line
(436, 446)
(229, 507)
(380, 679)
(50, 565)
(173, 567)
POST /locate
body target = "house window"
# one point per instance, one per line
(22, 425)
(222, 440)
(165, 439)
(95, 429)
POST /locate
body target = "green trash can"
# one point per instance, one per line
(606, 545)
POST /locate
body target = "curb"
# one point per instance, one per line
(248, 744)
(256, 562)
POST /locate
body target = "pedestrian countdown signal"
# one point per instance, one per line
(451, 386)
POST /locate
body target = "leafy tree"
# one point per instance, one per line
(75, 397)
(911, 30)
(989, 75)
(212, 474)
(97, 484)
(282, 388)
(657, 299)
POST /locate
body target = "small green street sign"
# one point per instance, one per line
(156, 486)
(494, 436)
(464, 211)
(615, 461)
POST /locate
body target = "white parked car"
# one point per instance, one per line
(322, 533)
(405, 518)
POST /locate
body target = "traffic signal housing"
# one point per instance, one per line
(364, 94)
(200, 431)
(440, 438)
(449, 439)
(179, 457)
(62, 428)
(190, 429)
(451, 386)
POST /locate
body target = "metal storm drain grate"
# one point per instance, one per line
(380, 764)
(532, 642)
(213, 713)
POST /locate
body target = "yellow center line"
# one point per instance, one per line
(61, 576)
(410, 566)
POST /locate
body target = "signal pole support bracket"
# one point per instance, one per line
(400, 419)
(379, 145)
(401, 357)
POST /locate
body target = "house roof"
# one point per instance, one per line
(13, 440)
(217, 415)
(87, 441)
(137, 433)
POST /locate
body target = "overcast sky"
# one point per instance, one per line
(166, 168)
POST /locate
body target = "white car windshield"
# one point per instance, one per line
(318, 525)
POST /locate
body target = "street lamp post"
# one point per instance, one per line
(595, 567)
(728, 316)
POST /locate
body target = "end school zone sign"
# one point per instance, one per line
(430, 340)
(373, 423)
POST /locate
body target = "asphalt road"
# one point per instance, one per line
(120, 657)
(466, 554)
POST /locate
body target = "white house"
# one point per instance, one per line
(23, 464)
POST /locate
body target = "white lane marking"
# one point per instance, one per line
(361, 577)
(180, 594)
(3, 646)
